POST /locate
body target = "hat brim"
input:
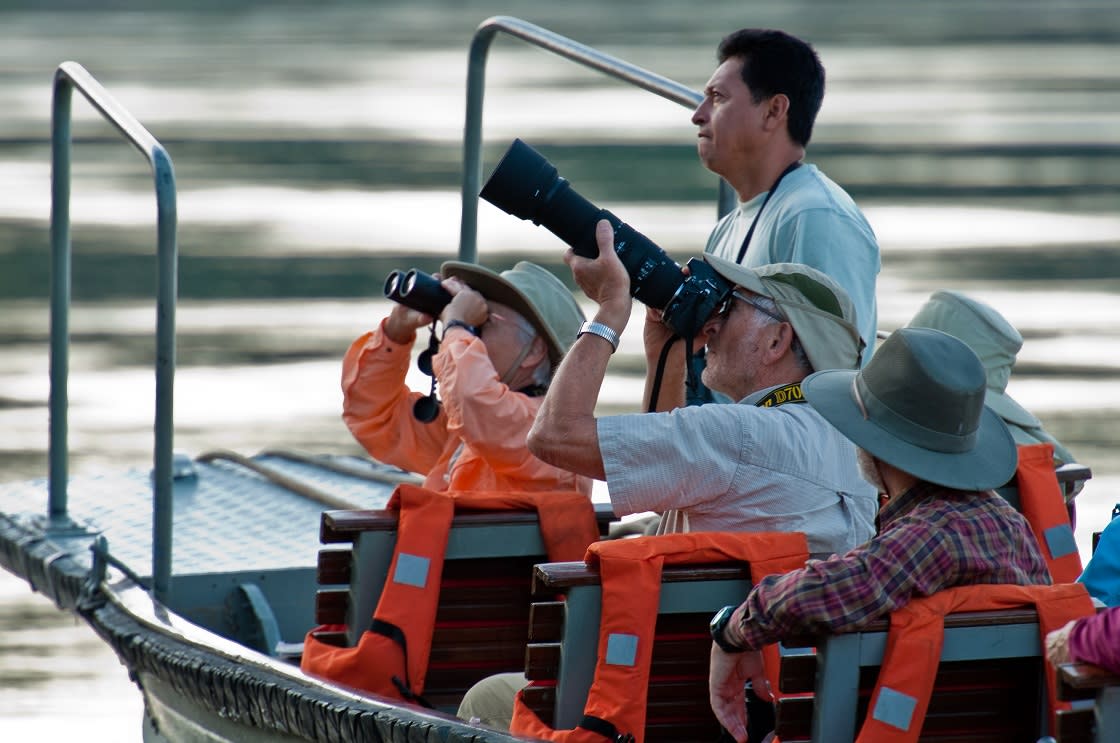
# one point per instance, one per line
(1009, 410)
(989, 464)
(494, 287)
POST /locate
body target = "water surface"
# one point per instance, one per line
(317, 147)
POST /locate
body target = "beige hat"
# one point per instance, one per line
(534, 292)
(820, 311)
(989, 336)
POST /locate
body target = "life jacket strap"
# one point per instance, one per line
(394, 633)
(605, 728)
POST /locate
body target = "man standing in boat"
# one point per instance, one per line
(935, 453)
(754, 123)
(503, 336)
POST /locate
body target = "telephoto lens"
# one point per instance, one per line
(528, 186)
(417, 290)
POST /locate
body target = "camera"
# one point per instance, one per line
(417, 290)
(528, 186)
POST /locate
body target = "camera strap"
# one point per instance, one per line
(655, 388)
(747, 240)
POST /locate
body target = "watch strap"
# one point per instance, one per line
(718, 625)
(473, 330)
(605, 332)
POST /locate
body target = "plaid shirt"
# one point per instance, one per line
(930, 538)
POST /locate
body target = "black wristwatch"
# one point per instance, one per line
(718, 624)
(460, 324)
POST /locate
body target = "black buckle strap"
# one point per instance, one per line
(606, 729)
(394, 633)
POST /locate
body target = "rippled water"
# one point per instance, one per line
(317, 147)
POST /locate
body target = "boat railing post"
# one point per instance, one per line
(69, 76)
(569, 49)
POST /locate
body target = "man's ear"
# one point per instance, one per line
(780, 339)
(536, 354)
(777, 111)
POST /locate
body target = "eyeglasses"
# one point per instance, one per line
(724, 309)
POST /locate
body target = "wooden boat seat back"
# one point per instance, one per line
(990, 685)
(1084, 685)
(563, 641)
(482, 616)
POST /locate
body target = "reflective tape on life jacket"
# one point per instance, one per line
(913, 653)
(391, 657)
(630, 575)
(1044, 506)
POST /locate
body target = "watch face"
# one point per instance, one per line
(719, 621)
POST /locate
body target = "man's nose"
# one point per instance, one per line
(699, 113)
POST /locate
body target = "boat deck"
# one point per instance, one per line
(275, 527)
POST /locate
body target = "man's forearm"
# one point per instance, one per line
(565, 433)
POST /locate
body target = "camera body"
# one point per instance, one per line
(417, 290)
(527, 186)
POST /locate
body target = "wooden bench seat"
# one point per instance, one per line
(564, 636)
(1100, 723)
(989, 687)
(482, 618)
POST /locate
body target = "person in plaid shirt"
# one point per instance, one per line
(924, 438)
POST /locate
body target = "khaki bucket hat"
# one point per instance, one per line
(534, 292)
(919, 405)
(820, 311)
(990, 337)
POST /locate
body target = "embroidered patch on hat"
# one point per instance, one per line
(412, 570)
(894, 708)
(1060, 541)
(622, 649)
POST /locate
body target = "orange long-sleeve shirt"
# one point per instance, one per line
(477, 442)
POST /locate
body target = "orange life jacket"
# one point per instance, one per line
(913, 653)
(391, 657)
(1042, 503)
(630, 574)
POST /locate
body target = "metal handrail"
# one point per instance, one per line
(564, 47)
(70, 76)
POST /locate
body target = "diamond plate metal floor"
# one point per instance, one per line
(227, 518)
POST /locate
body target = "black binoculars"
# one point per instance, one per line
(421, 292)
(417, 290)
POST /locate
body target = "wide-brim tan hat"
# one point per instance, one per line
(989, 335)
(918, 405)
(820, 311)
(534, 292)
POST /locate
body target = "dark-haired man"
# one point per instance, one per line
(754, 122)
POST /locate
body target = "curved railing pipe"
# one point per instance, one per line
(564, 47)
(68, 77)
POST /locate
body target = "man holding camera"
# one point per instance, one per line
(768, 463)
(754, 122)
(503, 335)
